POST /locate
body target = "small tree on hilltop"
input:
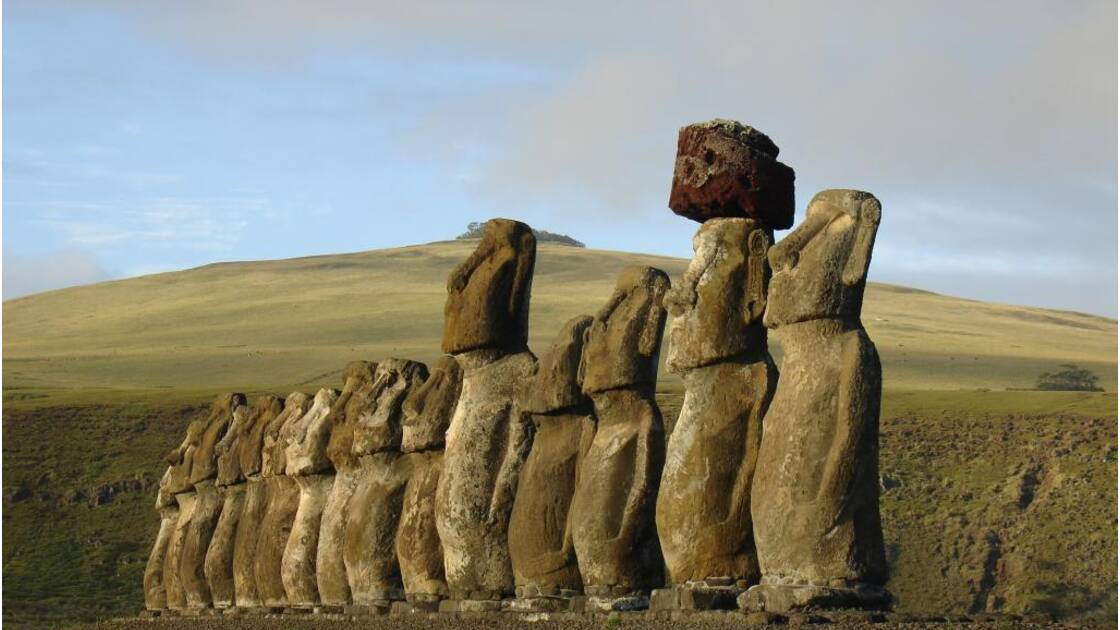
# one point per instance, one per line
(474, 230)
(1070, 379)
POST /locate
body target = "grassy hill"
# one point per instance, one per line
(283, 323)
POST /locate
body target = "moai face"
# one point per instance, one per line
(273, 458)
(488, 295)
(358, 379)
(378, 427)
(623, 342)
(556, 384)
(428, 409)
(715, 311)
(264, 411)
(726, 169)
(302, 456)
(229, 467)
(203, 457)
(820, 269)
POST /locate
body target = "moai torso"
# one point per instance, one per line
(613, 529)
(231, 488)
(718, 344)
(297, 568)
(540, 540)
(155, 593)
(283, 501)
(486, 327)
(264, 411)
(816, 494)
(426, 415)
(374, 510)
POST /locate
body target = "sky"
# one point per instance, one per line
(141, 137)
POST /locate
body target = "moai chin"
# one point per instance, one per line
(727, 169)
(264, 411)
(330, 563)
(206, 503)
(540, 538)
(283, 502)
(426, 415)
(297, 566)
(815, 500)
(717, 343)
(374, 510)
(613, 506)
(486, 328)
(231, 490)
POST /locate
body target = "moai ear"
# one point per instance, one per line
(855, 269)
(523, 274)
(583, 355)
(650, 341)
(757, 272)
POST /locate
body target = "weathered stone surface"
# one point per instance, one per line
(815, 500)
(172, 582)
(283, 501)
(182, 457)
(340, 423)
(718, 343)
(715, 310)
(204, 456)
(297, 569)
(429, 407)
(196, 542)
(613, 507)
(540, 540)
(727, 169)
(155, 594)
(310, 455)
(219, 556)
(488, 295)
(227, 448)
(797, 598)
(486, 443)
(245, 543)
(426, 414)
(374, 510)
(624, 340)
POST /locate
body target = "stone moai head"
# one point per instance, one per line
(427, 410)
(488, 295)
(727, 169)
(622, 343)
(164, 497)
(273, 446)
(229, 466)
(180, 457)
(357, 378)
(556, 384)
(820, 269)
(264, 411)
(306, 451)
(378, 427)
(715, 311)
(203, 464)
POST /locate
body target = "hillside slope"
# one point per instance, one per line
(298, 321)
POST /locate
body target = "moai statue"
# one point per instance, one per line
(231, 489)
(330, 562)
(374, 511)
(613, 507)
(728, 178)
(486, 322)
(283, 501)
(426, 415)
(815, 500)
(178, 485)
(265, 409)
(717, 343)
(306, 462)
(207, 503)
(540, 527)
(155, 593)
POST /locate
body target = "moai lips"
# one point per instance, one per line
(540, 539)
(726, 169)
(488, 295)
(815, 501)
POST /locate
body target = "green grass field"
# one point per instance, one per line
(994, 498)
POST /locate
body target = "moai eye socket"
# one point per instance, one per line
(709, 156)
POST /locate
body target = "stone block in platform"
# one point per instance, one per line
(794, 597)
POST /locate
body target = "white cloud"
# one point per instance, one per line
(24, 275)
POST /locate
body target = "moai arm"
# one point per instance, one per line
(857, 413)
(647, 471)
(516, 449)
(522, 274)
(650, 342)
(586, 437)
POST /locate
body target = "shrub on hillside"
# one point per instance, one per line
(474, 230)
(1070, 379)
